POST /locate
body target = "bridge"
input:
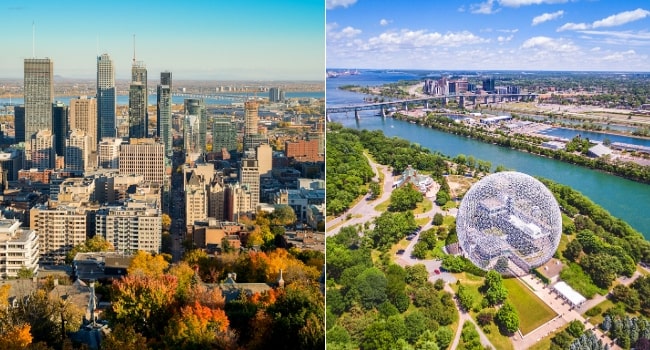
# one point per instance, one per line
(239, 97)
(425, 101)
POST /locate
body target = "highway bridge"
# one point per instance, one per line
(430, 100)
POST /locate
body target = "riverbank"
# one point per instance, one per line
(630, 171)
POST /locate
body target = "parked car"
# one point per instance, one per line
(400, 252)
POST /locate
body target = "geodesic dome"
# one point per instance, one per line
(509, 222)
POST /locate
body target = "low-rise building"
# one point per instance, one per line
(19, 248)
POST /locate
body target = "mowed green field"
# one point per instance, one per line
(533, 312)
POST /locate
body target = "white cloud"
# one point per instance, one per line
(345, 33)
(384, 22)
(518, 3)
(422, 38)
(504, 39)
(621, 18)
(484, 8)
(619, 34)
(550, 44)
(331, 4)
(619, 56)
(573, 26)
(595, 49)
(508, 30)
(545, 17)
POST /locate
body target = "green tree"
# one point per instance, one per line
(495, 291)
(573, 250)
(25, 273)
(375, 190)
(370, 287)
(416, 324)
(94, 244)
(442, 197)
(465, 297)
(507, 319)
(420, 250)
(444, 336)
(405, 198)
(575, 328)
(438, 219)
(283, 215)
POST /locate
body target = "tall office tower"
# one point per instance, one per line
(276, 95)
(59, 229)
(109, 152)
(196, 107)
(19, 123)
(137, 110)
(77, 151)
(139, 75)
(252, 138)
(144, 157)
(42, 150)
(106, 122)
(249, 177)
(164, 109)
(39, 95)
(60, 128)
(264, 156)
(83, 116)
(18, 248)
(488, 84)
(132, 227)
(224, 135)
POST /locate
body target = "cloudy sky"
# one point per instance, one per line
(599, 35)
(198, 39)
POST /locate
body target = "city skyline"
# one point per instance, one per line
(205, 41)
(489, 35)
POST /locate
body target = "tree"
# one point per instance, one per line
(25, 273)
(94, 244)
(405, 198)
(575, 328)
(507, 318)
(14, 337)
(197, 326)
(375, 190)
(166, 222)
(416, 324)
(283, 215)
(495, 291)
(573, 250)
(465, 297)
(122, 337)
(438, 219)
(420, 250)
(145, 264)
(444, 336)
(442, 197)
(370, 287)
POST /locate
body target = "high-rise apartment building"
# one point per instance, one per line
(252, 138)
(196, 198)
(224, 135)
(42, 150)
(109, 153)
(276, 95)
(164, 110)
(83, 116)
(143, 157)
(106, 97)
(264, 156)
(131, 227)
(60, 127)
(39, 95)
(77, 151)
(59, 229)
(197, 108)
(192, 134)
(249, 177)
(18, 249)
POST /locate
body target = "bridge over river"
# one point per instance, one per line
(426, 101)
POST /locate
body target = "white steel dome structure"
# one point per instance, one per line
(509, 222)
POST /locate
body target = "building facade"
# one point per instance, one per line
(83, 116)
(19, 248)
(109, 153)
(143, 157)
(106, 97)
(60, 127)
(164, 111)
(59, 229)
(77, 151)
(42, 150)
(224, 135)
(196, 107)
(39, 95)
(131, 227)
(137, 110)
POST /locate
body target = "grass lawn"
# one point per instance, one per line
(422, 221)
(448, 220)
(423, 206)
(604, 306)
(545, 343)
(564, 240)
(496, 338)
(533, 312)
(382, 207)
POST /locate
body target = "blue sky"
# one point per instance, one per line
(206, 39)
(608, 35)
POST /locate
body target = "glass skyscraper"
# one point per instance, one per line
(164, 109)
(106, 124)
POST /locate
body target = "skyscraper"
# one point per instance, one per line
(105, 97)
(138, 100)
(249, 177)
(164, 109)
(39, 95)
(77, 151)
(224, 135)
(276, 95)
(144, 157)
(83, 116)
(42, 150)
(59, 126)
(196, 107)
(251, 119)
(19, 123)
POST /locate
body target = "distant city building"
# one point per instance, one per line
(192, 134)
(488, 84)
(109, 153)
(19, 123)
(224, 135)
(60, 127)
(106, 97)
(143, 157)
(303, 150)
(12, 161)
(196, 107)
(196, 198)
(19, 248)
(77, 151)
(264, 156)
(252, 138)
(131, 227)
(237, 201)
(42, 150)
(83, 116)
(164, 111)
(276, 95)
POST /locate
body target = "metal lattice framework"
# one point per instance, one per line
(511, 217)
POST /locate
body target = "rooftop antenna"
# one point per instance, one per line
(33, 40)
(133, 48)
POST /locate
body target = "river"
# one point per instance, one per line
(623, 198)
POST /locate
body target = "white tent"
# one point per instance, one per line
(569, 294)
